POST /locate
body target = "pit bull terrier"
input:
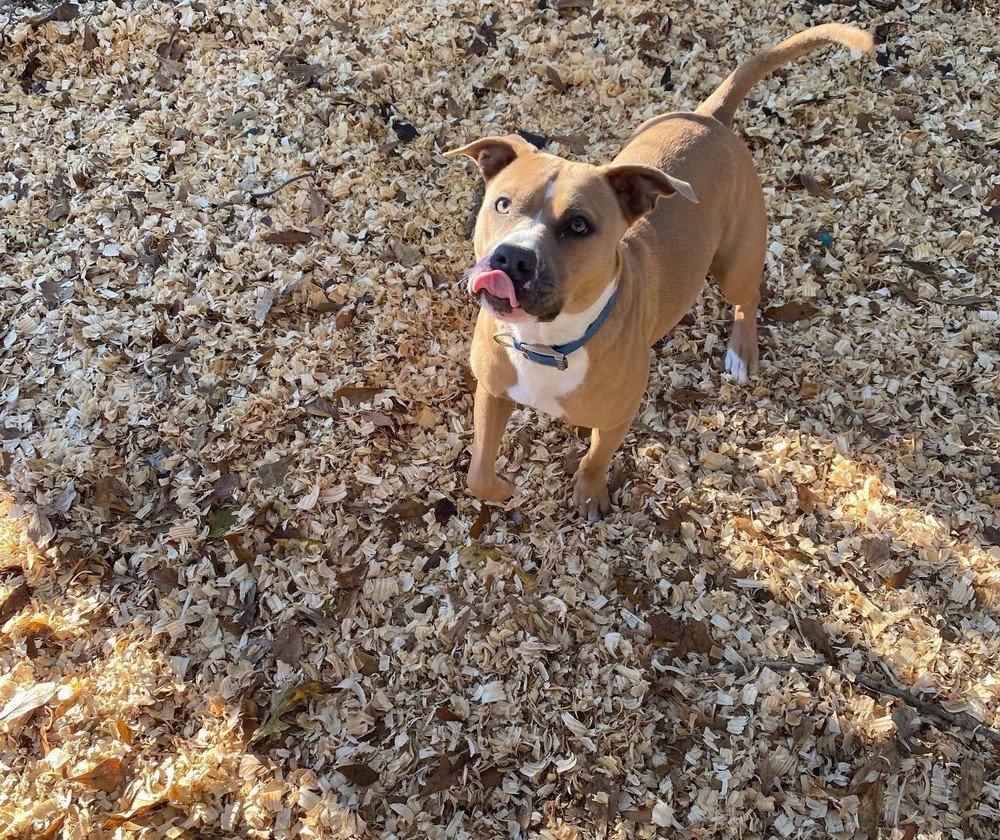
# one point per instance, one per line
(581, 269)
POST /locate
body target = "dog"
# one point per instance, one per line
(581, 268)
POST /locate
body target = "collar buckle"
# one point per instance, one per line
(539, 353)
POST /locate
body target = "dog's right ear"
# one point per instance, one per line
(494, 154)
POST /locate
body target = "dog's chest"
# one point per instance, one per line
(543, 387)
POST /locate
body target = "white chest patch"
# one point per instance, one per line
(544, 387)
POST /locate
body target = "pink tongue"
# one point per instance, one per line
(497, 283)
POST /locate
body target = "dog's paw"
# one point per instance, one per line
(591, 498)
(737, 367)
(491, 488)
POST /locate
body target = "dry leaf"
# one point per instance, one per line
(898, 580)
(875, 551)
(807, 499)
(288, 644)
(272, 474)
(870, 810)
(482, 520)
(360, 775)
(815, 633)
(970, 783)
(288, 237)
(357, 395)
(445, 773)
(792, 311)
(446, 715)
(109, 775)
(26, 700)
(16, 601)
(282, 702)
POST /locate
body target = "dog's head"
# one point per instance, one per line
(549, 230)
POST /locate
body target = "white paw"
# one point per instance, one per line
(737, 367)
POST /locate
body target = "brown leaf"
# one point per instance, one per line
(864, 122)
(875, 551)
(408, 509)
(283, 700)
(317, 204)
(107, 776)
(815, 633)
(970, 783)
(806, 498)
(16, 601)
(632, 588)
(791, 311)
(379, 419)
(905, 114)
(110, 493)
(685, 396)
(53, 830)
(447, 771)
(288, 643)
(808, 390)
(319, 407)
(272, 474)
(669, 525)
(555, 79)
(665, 628)
(898, 580)
(811, 185)
(357, 395)
(125, 734)
(89, 38)
(359, 775)
(870, 809)
(345, 317)
(354, 577)
(288, 237)
(444, 509)
(482, 520)
(446, 715)
(927, 269)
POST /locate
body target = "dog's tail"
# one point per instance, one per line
(723, 102)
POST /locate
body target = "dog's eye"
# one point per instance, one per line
(502, 205)
(578, 226)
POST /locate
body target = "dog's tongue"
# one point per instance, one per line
(497, 283)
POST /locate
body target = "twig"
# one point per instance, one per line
(259, 196)
(961, 720)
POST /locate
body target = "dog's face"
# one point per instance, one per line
(548, 234)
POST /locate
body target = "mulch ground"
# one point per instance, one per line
(243, 590)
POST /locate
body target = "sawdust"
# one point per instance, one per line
(244, 591)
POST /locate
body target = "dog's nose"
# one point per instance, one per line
(517, 263)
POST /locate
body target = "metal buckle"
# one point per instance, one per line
(540, 354)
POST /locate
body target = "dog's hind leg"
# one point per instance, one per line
(739, 271)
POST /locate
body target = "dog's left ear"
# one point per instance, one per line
(494, 154)
(638, 187)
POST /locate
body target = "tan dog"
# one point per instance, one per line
(581, 269)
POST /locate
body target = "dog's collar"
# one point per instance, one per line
(555, 355)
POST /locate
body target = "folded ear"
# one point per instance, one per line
(494, 153)
(638, 187)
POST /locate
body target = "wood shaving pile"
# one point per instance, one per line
(244, 592)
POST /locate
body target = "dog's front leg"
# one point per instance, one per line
(490, 417)
(590, 490)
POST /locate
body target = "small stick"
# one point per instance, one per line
(961, 720)
(258, 196)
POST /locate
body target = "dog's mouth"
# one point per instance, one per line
(494, 290)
